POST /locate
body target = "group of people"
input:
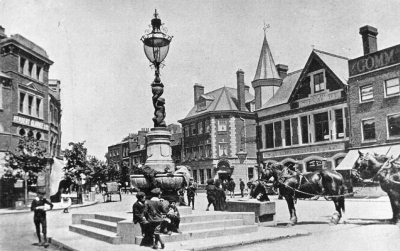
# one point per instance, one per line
(155, 217)
(216, 195)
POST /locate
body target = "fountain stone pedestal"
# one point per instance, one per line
(159, 158)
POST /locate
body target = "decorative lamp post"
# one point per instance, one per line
(156, 47)
(241, 156)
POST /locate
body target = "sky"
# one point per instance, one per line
(105, 75)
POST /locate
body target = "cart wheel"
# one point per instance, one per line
(120, 197)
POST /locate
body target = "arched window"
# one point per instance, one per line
(22, 132)
(38, 135)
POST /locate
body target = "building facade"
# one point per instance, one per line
(304, 121)
(218, 126)
(30, 103)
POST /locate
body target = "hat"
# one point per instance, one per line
(41, 191)
(156, 191)
(172, 201)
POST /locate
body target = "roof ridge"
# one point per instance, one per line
(331, 54)
(294, 72)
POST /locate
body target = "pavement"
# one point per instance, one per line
(313, 217)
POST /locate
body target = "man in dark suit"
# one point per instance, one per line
(155, 211)
(138, 217)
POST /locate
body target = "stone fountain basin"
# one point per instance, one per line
(166, 181)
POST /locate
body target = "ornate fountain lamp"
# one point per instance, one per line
(156, 47)
(241, 156)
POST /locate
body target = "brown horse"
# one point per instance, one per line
(293, 185)
(386, 170)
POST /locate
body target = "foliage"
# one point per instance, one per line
(28, 157)
(124, 173)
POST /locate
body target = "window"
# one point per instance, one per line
(30, 102)
(21, 132)
(321, 126)
(195, 176)
(295, 131)
(30, 69)
(278, 133)
(250, 172)
(207, 126)
(394, 125)
(201, 151)
(222, 125)
(252, 107)
(186, 131)
(38, 101)
(207, 151)
(319, 82)
(21, 65)
(366, 93)
(304, 129)
(201, 176)
(202, 105)
(368, 128)
(223, 149)
(21, 101)
(39, 73)
(208, 173)
(339, 124)
(392, 87)
(200, 127)
(193, 129)
(314, 165)
(288, 135)
(269, 135)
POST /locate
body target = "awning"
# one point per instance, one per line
(351, 157)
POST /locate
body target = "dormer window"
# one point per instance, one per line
(317, 81)
(201, 105)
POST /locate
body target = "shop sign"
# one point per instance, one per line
(304, 150)
(319, 98)
(30, 122)
(374, 60)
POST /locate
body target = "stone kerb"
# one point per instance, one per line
(127, 230)
(264, 211)
(77, 218)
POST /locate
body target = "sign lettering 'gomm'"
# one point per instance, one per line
(374, 60)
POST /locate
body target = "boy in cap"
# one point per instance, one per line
(38, 206)
(191, 192)
(155, 210)
(174, 217)
(138, 217)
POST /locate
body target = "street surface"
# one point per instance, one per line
(366, 228)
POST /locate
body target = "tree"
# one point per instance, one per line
(124, 173)
(76, 166)
(27, 160)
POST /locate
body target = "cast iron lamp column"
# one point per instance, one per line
(156, 46)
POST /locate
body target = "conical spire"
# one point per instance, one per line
(266, 66)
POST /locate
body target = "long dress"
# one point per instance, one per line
(220, 199)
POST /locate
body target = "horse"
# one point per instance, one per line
(258, 190)
(386, 170)
(293, 185)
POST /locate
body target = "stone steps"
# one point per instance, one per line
(96, 233)
(205, 233)
(105, 225)
(210, 224)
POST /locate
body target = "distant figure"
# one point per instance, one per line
(210, 188)
(220, 197)
(241, 186)
(66, 202)
(39, 218)
(232, 188)
(191, 192)
(181, 197)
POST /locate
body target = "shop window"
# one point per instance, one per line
(278, 133)
(200, 127)
(269, 135)
(195, 176)
(321, 126)
(394, 125)
(295, 131)
(368, 127)
(288, 134)
(319, 82)
(339, 124)
(314, 165)
(222, 125)
(304, 129)
(201, 172)
(366, 93)
(392, 87)
(21, 101)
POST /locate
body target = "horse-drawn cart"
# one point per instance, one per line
(112, 188)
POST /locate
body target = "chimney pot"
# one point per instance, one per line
(369, 40)
(282, 70)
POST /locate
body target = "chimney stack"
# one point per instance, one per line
(240, 90)
(2, 33)
(246, 88)
(198, 91)
(282, 70)
(369, 34)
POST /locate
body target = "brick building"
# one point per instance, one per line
(374, 105)
(30, 102)
(303, 116)
(214, 130)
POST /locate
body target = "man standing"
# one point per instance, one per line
(241, 186)
(155, 210)
(138, 216)
(232, 188)
(191, 192)
(38, 206)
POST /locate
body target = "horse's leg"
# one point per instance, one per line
(339, 205)
(393, 205)
(292, 210)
